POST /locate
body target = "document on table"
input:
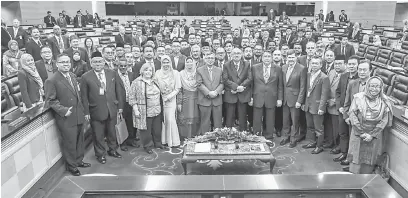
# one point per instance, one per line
(202, 147)
(257, 147)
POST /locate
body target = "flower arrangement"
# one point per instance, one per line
(230, 135)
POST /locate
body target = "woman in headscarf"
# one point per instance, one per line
(174, 33)
(79, 66)
(377, 40)
(370, 113)
(366, 39)
(188, 116)
(169, 83)
(11, 59)
(191, 30)
(144, 97)
(31, 84)
(355, 34)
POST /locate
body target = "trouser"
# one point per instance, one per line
(315, 128)
(152, 135)
(72, 145)
(205, 115)
(102, 129)
(331, 127)
(269, 119)
(290, 127)
(344, 132)
(250, 118)
(278, 118)
(127, 115)
(232, 110)
(302, 125)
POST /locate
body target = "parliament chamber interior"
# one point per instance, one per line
(204, 99)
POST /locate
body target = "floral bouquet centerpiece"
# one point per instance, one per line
(227, 135)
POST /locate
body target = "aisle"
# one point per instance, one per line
(167, 162)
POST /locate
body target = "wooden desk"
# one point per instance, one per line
(228, 151)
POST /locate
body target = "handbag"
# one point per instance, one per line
(382, 167)
(121, 129)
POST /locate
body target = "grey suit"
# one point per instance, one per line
(331, 123)
(209, 106)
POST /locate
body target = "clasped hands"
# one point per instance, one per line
(366, 137)
(239, 89)
(212, 94)
(88, 117)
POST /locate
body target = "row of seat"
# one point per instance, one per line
(385, 56)
(396, 85)
(10, 96)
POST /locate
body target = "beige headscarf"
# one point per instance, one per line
(32, 71)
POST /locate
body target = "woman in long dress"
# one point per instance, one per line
(188, 117)
(370, 112)
(169, 84)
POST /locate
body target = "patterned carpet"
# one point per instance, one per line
(167, 162)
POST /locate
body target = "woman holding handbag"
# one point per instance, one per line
(144, 97)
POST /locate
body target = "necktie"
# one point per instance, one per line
(39, 43)
(102, 83)
(266, 74)
(69, 80)
(79, 22)
(288, 73)
(15, 32)
(60, 43)
(343, 50)
(210, 72)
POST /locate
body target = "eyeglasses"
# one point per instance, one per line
(64, 62)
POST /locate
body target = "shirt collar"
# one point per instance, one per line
(267, 66)
(120, 73)
(101, 72)
(317, 73)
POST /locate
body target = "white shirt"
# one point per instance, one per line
(236, 65)
(289, 72)
(15, 32)
(176, 59)
(101, 77)
(210, 72)
(267, 71)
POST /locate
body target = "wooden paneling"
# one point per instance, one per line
(401, 14)
(33, 12)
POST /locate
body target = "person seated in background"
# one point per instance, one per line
(366, 39)
(61, 21)
(11, 59)
(355, 34)
(96, 21)
(49, 20)
(377, 40)
(330, 17)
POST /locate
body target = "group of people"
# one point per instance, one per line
(79, 20)
(285, 85)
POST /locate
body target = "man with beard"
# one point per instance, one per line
(244, 42)
(236, 40)
(228, 49)
(328, 63)
(248, 57)
(271, 46)
(294, 89)
(237, 78)
(265, 40)
(257, 54)
(220, 58)
(284, 50)
(148, 54)
(191, 41)
(320, 49)
(184, 45)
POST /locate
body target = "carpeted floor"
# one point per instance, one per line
(167, 162)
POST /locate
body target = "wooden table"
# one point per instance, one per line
(224, 152)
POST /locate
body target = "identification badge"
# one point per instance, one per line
(78, 88)
(101, 91)
(21, 37)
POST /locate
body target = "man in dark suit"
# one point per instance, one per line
(62, 95)
(137, 38)
(79, 20)
(184, 26)
(267, 94)
(343, 16)
(257, 54)
(88, 18)
(46, 66)
(33, 46)
(125, 79)
(210, 86)
(290, 38)
(308, 38)
(148, 54)
(122, 37)
(344, 48)
(237, 78)
(294, 90)
(75, 47)
(49, 20)
(328, 63)
(66, 17)
(310, 51)
(177, 58)
(321, 15)
(220, 58)
(18, 33)
(103, 102)
(191, 41)
(58, 42)
(317, 89)
(265, 40)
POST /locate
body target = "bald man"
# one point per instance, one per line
(237, 78)
(18, 33)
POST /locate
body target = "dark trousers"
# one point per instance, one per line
(331, 129)
(269, 119)
(152, 135)
(278, 118)
(127, 115)
(290, 127)
(315, 128)
(208, 112)
(72, 144)
(250, 118)
(344, 133)
(302, 125)
(102, 129)
(231, 114)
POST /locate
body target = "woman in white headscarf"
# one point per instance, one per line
(31, 84)
(169, 84)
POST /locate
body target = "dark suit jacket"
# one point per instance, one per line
(29, 88)
(303, 60)
(291, 41)
(79, 68)
(84, 54)
(5, 38)
(352, 88)
(100, 107)
(21, 38)
(232, 79)
(68, 19)
(349, 51)
(49, 22)
(83, 21)
(329, 17)
(60, 96)
(342, 88)
(89, 18)
(138, 65)
(294, 89)
(52, 41)
(267, 93)
(126, 39)
(136, 40)
(34, 49)
(304, 42)
(186, 51)
(283, 18)
(205, 85)
(236, 41)
(265, 44)
(131, 77)
(40, 65)
(343, 18)
(324, 68)
(180, 64)
(319, 93)
(62, 22)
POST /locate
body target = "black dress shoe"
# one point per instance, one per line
(310, 145)
(284, 141)
(84, 165)
(317, 150)
(74, 171)
(114, 154)
(124, 148)
(292, 144)
(340, 158)
(301, 139)
(345, 162)
(335, 151)
(101, 160)
(346, 169)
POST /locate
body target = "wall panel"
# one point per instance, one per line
(10, 10)
(401, 14)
